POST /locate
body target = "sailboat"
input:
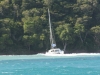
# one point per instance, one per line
(54, 49)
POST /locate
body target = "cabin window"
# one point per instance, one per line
(52, 51)
(56, 50)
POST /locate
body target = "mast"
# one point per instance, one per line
(51, 34)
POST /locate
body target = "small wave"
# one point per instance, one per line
(7, 72)
(73, 54)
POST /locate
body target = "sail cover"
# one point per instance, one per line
(53, 45)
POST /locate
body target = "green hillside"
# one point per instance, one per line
(24, 25)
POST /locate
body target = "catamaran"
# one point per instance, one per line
(54, 49)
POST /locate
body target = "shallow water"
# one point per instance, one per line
(72, 64)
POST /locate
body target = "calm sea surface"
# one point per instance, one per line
(50, 65)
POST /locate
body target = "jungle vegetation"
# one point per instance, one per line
(24, 25)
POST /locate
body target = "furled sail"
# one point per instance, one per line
(52, 41)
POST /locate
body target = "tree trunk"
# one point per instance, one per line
(65, 44)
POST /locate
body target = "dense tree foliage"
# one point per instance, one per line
(24, 25)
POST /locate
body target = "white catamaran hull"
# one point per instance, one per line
(55, 51)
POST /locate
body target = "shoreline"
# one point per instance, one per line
(32, 52)
(53, 54)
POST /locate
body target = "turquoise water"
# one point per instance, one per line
(50, 65)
